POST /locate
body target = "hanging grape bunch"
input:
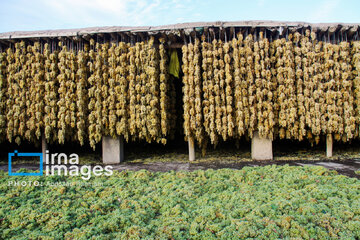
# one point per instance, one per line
(12, 89)
(265, 88)
(17, 93)
(299, 83)
(121, 89)
(193, 112)
(140, 94)
(3, 83)
(316, 85)
(355, 51)
(51, 92)
(218, 83)
(94, 97)
(199, 133)
(112, 118)
(228, 102)
(105, 87)
(330, 88)
(240, 82)
(81, 92)
(286, 90)
(150, 83)
(132, 91)
(251, 114)
(163, 77)
(62, 126)
(346, 91)
(35, 83)
(208, 85)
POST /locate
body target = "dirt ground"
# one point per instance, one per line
(345, 167)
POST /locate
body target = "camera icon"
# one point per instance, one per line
(17, 154)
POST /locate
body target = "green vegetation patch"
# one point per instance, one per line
(256, 202)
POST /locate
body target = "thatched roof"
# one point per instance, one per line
(183, 29)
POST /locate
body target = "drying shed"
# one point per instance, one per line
(259, 79)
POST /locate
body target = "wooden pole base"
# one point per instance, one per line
(191, 149)
(112, 150)
(261, 148)
(329, 146)
(44, 146)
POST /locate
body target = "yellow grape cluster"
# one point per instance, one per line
(284, 72)
(356, 73)
(193, 110)
(82, 93)
(3, 83)
(51, 92)
(295, 87)
(67, 95)
(217, 90)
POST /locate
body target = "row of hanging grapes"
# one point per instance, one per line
(84, 92)
(294, 87)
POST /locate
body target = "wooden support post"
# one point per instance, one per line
(261, 148)
(191, 149)
(122, 158)
(112, 150)
(44, 146)
(329, 146)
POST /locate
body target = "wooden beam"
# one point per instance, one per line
(332, 29)
(172, 38)
(87, 37)
(212, 33)
(352, 31)
(114, 36)
(76, 38)
(141, 35)
(5, 43)
(175, 45)
(231, 33)
(193, 36)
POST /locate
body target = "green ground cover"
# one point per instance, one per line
(268, 202)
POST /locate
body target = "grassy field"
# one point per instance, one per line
(256, 202)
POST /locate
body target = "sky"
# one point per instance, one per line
(27, 15)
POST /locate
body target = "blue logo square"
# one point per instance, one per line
(15, 153)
